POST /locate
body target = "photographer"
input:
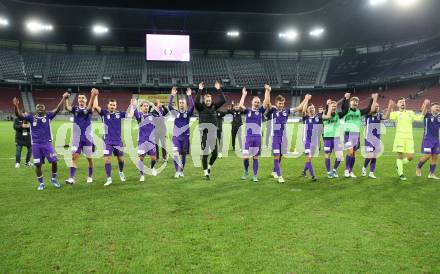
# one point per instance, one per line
(22, 138)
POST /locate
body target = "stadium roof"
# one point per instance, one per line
(347, 23)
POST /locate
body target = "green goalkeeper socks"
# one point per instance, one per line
(399, 164)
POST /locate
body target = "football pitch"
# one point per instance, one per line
(165, 225)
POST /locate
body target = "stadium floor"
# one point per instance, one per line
(166, 225)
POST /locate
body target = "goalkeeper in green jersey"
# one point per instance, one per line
(404, 140)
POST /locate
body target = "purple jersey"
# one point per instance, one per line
(253, 120)
(432, 126)
(147, 126)
(278, 120)
(373, 123)
(82, 118)
(113, 124)
(40, 127)
(312, 128)
(181, 118)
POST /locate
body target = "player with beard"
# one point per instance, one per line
(112, 121)
(352, 129)
(208, 125)
(279, 116)
(404, 140)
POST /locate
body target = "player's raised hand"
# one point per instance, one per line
(267, 88)
(308, 96)
(95, 91)
(391, 103)
(66, 95)
(426, 102)
(174, 91)
(201, 85)
(347, 95)
(374, 96)
(329, 101)
(15, 101)
(133, 102)
(244, 91)
(217, 85)
(188, 91)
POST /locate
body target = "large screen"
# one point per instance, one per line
(161, 47)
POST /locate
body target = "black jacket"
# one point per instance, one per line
(207, 114)
(220, 116)
(22, 135)
(236, 117)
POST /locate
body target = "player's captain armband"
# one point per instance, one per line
(427, 150)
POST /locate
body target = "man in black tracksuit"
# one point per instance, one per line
(161, 129)
(237, 121)
(22, 139)
(208, 125)
(220, 116)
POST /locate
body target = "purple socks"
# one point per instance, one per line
(246, 165)
(121, 166)
(72, 172)
(108, 170)
(327, 164)
(255, 166)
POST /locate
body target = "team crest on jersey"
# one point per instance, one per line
(284, 114)
(108, 116)
(85, 111)
(316, 119)
(250, 114)
(43, 120)
(184, 115)
(117, 116)
(34, 124)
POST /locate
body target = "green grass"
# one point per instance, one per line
(182, 226)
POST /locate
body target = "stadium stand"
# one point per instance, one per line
(49, 97)
(253, 72)
(304, 72)
(124, 69)
(209, 69)
(167, 72)
(11, 65)
(7, 94)
(74, 68)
